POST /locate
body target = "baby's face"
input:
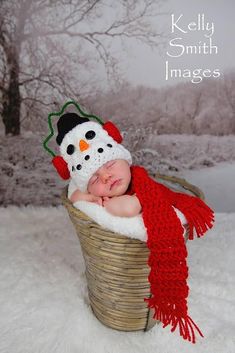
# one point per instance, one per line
(112, 179)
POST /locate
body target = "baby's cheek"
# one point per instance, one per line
(96, 189)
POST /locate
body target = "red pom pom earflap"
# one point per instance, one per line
(61, 167)
(58, 161)
(113, 131)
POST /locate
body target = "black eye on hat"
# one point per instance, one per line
(70, 149)
(90, 135)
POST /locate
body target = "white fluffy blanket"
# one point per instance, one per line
(132, 227)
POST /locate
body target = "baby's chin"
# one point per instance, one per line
(116, 193)
(118, 190)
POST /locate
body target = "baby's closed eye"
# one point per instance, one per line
(94, 179)
(109, 164)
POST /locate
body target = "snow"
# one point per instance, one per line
(218, 184)
(44, 301)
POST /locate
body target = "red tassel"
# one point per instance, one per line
(186, 325)
(197, 213)
(186, 329)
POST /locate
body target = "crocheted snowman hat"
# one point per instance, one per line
(85, 146)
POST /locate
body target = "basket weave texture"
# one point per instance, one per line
(117, 270)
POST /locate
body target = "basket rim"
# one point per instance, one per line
(195, 190)
(183, 182)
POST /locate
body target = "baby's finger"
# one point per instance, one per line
(105, 198)
(105, 203)
(95, 201)
(95, 198)
(100, 201)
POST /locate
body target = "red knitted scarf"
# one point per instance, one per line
(168, 252)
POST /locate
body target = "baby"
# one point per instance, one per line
(94, 158)
(107, 187)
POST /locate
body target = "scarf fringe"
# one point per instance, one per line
(199, 216)
(187, 327)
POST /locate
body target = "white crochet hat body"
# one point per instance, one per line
(86, 147)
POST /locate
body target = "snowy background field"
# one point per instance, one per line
(28, 177)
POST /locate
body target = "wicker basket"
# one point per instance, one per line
(116, 268)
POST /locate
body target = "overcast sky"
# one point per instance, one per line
(147, 67)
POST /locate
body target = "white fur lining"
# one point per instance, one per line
(133, 227)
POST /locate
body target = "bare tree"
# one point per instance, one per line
(42, 42)
(229, 92)
(188, 100)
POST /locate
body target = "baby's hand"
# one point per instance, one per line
(123, 206)
(112, 205)
(94, 199)
(77, 195)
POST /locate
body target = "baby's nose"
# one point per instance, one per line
(105, 177)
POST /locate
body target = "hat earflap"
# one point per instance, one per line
(113, 131)
(61, 167)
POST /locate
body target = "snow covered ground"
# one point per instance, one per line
(44, 302)
(217, 183)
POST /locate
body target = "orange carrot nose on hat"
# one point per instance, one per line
(83, 145)
(86, 145)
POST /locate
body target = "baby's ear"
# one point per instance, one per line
(113, 131)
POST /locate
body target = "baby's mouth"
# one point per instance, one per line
(116, 182)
